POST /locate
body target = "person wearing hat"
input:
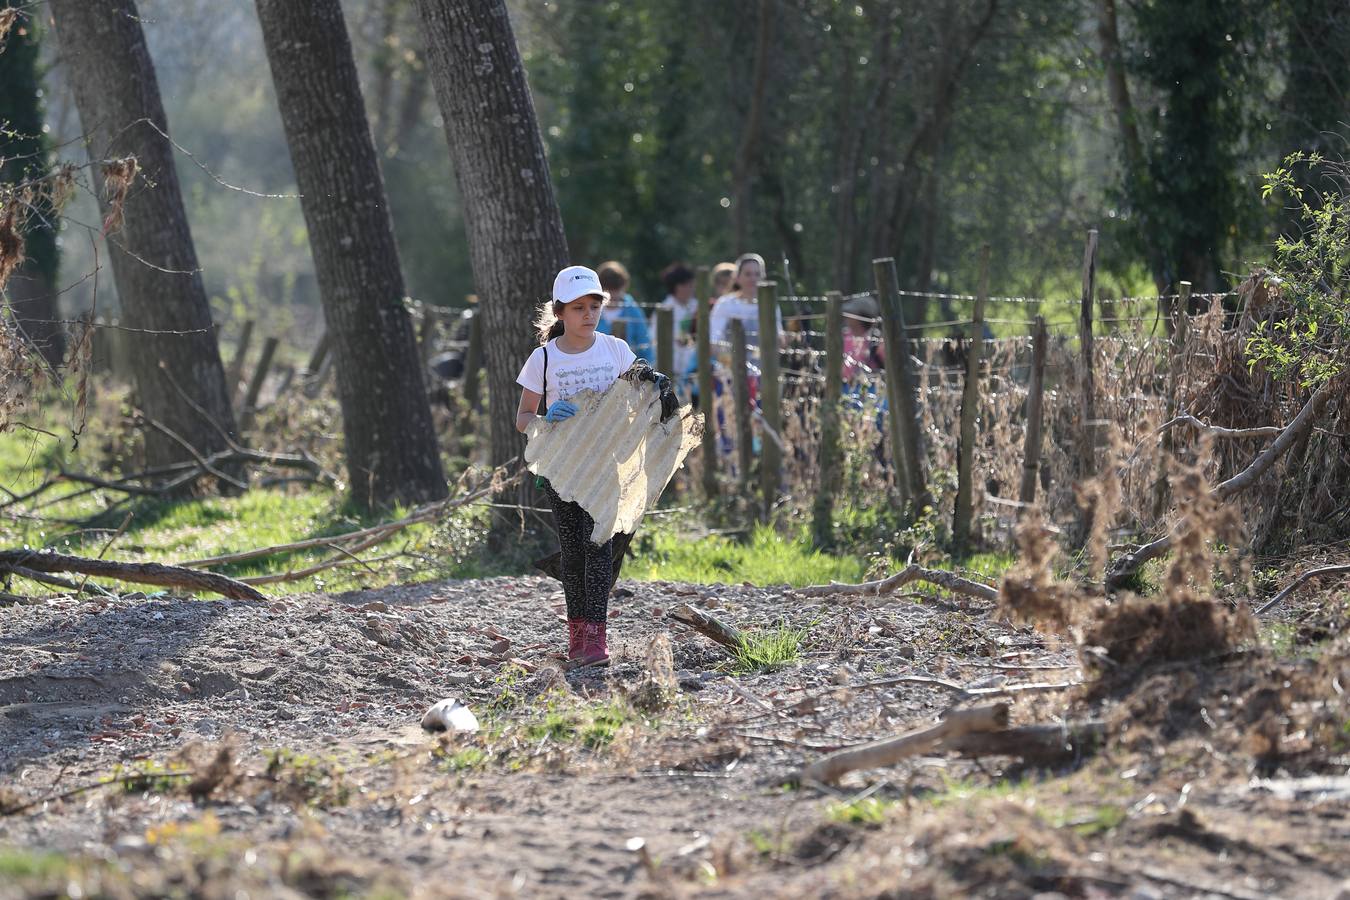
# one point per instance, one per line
(573, 357)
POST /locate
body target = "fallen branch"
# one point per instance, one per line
(889, 751)
(1127, 565)
(196, 454)
(57, 581)
(1219, 431)
(139, 573)
(965, 693)
(708, 626)
(1036, 744)
(913, 572)
(1298, 582)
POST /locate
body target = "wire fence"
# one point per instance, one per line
(1138, 376)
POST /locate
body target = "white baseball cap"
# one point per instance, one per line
(574, 282)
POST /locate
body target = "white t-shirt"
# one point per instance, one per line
(733, 307)
(684, 314)
(570, 373)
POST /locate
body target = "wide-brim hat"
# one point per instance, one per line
(864, 307)
(575, 282)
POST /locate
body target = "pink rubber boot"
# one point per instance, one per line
(576, 638)
(594, 650)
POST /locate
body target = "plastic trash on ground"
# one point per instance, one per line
(449, 715)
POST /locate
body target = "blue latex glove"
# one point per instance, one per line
(560, 410)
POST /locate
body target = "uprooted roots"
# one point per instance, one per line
(1134, 632)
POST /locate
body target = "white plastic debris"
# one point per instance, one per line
(615, 456)
(450, 715)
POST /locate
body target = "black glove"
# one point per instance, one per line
(670, 404)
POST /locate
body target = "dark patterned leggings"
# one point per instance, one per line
(587, 569)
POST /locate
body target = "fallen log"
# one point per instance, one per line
(1124, 567)
(57, 581)
(889, 751)
(1036, 744)
(138, 573)
(913, 572)
(708, 626)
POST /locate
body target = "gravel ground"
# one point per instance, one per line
(692, 802)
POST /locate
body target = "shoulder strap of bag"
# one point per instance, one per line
(543, 395)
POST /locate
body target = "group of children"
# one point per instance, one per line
(735, 295)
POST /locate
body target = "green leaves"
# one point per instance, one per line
(1313, 271)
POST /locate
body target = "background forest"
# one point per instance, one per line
(824, 132)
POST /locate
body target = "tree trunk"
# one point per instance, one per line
(32, 298)
(515, 230)
(935, 119)
(746, 151)
(414, 98)
(153, 259)
(1132, 148)
(390, 442)
(383, 62)
(25, 155)
(392, 454)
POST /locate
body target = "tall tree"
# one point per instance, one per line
(24, 153)
(1183, 151)
(175, 360)
(390, 442)
(516, 241)
(1316, 101)
(747, 151)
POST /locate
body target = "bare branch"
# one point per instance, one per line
(913, 572)
(1298, 582)
(139, 573)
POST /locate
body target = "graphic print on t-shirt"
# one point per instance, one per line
(573, 381)
(569, 373)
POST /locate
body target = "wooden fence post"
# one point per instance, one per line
(705, 384)
(1087, 401)
(902, 413)
(236, 369)
(740, 397)
(664, 321)
(473, 361)
(770, 398)
(1031, 450)
(970, 401)
(316, 359)
(829, 463)
(665, 343)
(1178, 320)
(255, 384)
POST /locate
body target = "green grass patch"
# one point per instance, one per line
(1093, 822)
(148, 776)
(771, 649)
(766, 557)
(564, 721)
(466, 759)
(1281, 638)
(28, 864)
(868, 811)
(963, 790)
(308, 779)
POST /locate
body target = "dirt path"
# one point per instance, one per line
(333, 786)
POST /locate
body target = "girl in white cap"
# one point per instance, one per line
(573, 357)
